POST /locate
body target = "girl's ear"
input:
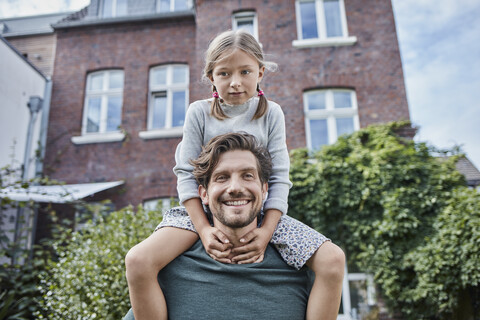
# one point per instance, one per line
(261, 72)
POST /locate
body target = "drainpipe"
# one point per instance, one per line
(44, 127)
(34, 106)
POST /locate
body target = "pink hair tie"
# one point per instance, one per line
(260, 93)
(215, 94)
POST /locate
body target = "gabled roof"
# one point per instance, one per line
(471, 173)
(30, 25)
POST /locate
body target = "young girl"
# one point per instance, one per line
(235, 66)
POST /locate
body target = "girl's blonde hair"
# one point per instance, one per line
(228, 41)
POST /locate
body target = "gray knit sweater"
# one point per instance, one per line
(269, 130)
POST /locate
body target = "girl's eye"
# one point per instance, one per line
(223, 74)
(246, 72)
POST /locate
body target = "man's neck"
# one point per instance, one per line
(235, 234)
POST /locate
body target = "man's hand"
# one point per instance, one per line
(253, 251)
(216, 244)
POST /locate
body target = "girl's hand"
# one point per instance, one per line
(253, 251)
(216, 244)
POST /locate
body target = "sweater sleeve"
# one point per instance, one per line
(189, 148)
(279, 183)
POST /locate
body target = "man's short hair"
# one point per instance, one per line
(211, 152)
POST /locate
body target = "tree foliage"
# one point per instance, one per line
(390, 203)
(87, 279)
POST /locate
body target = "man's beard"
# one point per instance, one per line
(237, 221)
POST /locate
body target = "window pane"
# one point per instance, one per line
(116, 80)
(316, 101)
(344, 126)
(114, 113)
(178, 108)
(159, 76)
(159, 111)
(121, 8)
(342, 100)
(309, 20)
(93, 114)
(246, 25)
(96, 82)
(332, 18)
(164, 5)
(180, 5)
(107, 8)
(318, 133)
(358, 297)
(179, 75)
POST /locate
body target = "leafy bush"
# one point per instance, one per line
(21, 265)
(382, 198)
(87, 280)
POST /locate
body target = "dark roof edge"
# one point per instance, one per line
(133, 18)
(34, 16)
(23, 58)
(26, 34)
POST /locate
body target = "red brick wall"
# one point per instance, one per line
(145, 165)
(372, 67)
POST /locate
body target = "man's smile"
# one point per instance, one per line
(236, 202)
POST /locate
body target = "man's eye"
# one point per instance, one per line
(246, 72)
(221, 178)
(249, 176)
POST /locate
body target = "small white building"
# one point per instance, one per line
(24, 105)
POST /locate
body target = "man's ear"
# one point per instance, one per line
(202, 191)
(264, 190)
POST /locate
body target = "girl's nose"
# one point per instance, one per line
(235, 82)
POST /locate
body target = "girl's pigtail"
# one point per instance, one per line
(262, 104)
(216, 109)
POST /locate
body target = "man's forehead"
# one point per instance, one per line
(236, 160)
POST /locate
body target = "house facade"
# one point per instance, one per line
(125, 73)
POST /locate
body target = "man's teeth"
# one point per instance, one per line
(236, 203)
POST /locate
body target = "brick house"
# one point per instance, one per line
(125, 72)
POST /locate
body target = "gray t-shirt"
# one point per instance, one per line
(198, 287)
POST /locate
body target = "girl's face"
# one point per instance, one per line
(236, 76)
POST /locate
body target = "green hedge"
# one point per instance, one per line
(87, 278)
(399, 212)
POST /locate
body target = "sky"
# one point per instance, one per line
(440, 49)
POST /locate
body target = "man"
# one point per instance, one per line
(233, 172)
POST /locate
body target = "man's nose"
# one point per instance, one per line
(235, 185)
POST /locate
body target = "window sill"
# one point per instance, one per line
(330, 42)
(161, 133)
(99, 138)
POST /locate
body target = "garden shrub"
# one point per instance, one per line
(87, 278)
(383, 198)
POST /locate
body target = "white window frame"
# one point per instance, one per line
(322, 40)
(330, 113)
(169, 131)
(346, 298)
(102, 136)
(172, 6)
(114, 9)
(246, 16)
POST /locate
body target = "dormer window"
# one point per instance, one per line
(114, 8)
(173, 5)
